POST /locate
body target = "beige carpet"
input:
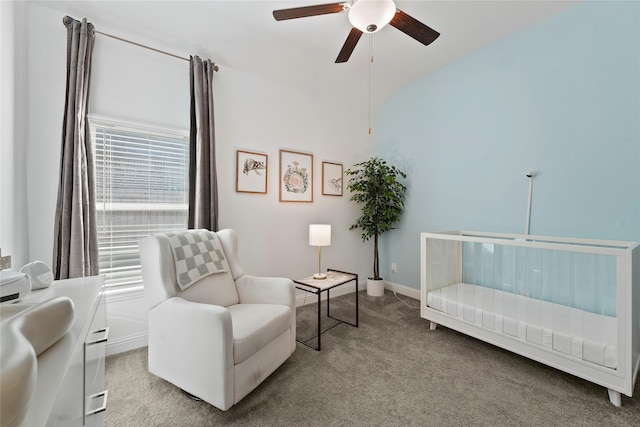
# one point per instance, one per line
(391, 371)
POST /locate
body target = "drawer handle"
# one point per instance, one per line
(102, 408)
(104, 338)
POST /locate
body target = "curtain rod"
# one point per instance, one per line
(66, 18)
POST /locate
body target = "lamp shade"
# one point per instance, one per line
(319, 234)
(370, 16)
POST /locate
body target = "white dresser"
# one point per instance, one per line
(71, 374)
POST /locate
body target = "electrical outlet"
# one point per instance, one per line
(394, 267)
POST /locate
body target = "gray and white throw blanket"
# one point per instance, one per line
(197, 253)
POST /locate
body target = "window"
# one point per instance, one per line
(141, 189)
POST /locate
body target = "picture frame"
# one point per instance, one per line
(296, 176)
(251, 172)
(332, 179)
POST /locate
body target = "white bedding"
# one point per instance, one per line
(578, 333)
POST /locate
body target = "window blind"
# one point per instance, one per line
(141, 189)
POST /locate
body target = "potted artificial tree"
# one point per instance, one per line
(377, 187)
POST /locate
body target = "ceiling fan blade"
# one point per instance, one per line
(304, 11)
(349, 45)
(414, 28)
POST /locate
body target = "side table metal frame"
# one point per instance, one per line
(318, 291)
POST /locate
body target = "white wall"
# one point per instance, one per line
(251, 113)
(45, 94)
(13, 133)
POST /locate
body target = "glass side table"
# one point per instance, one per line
(334, 279)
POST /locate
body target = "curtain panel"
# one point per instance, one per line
(75, 252)
(203, 186)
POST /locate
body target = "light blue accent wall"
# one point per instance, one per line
(560, 98)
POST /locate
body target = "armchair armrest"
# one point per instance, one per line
(191, 345)
(265, 290)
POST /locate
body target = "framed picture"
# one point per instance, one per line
(331, 179)
(251, 172)
(296, 176)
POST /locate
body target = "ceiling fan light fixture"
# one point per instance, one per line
(370, 16)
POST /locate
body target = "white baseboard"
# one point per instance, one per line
(127, 343)
(403, 290)
(347, 289)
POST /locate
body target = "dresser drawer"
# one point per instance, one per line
(95, 393)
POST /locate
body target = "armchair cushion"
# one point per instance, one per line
(256, 325)
(159, 277)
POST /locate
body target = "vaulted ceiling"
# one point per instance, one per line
(243, 35)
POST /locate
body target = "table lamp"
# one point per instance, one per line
(319, 235)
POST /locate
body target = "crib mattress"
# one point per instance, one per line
(573, 332)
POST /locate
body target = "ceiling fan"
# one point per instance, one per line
(366, 16)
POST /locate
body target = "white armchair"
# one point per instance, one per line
(221, 337)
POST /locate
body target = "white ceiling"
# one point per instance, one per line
(243, 35)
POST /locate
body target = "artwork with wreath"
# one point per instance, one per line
(296, 176)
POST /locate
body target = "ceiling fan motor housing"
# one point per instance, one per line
(370, 16)
(366, 16)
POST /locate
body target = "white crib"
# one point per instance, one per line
(573, 304)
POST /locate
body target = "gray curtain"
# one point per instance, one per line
(203, 185)
(75, 251)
